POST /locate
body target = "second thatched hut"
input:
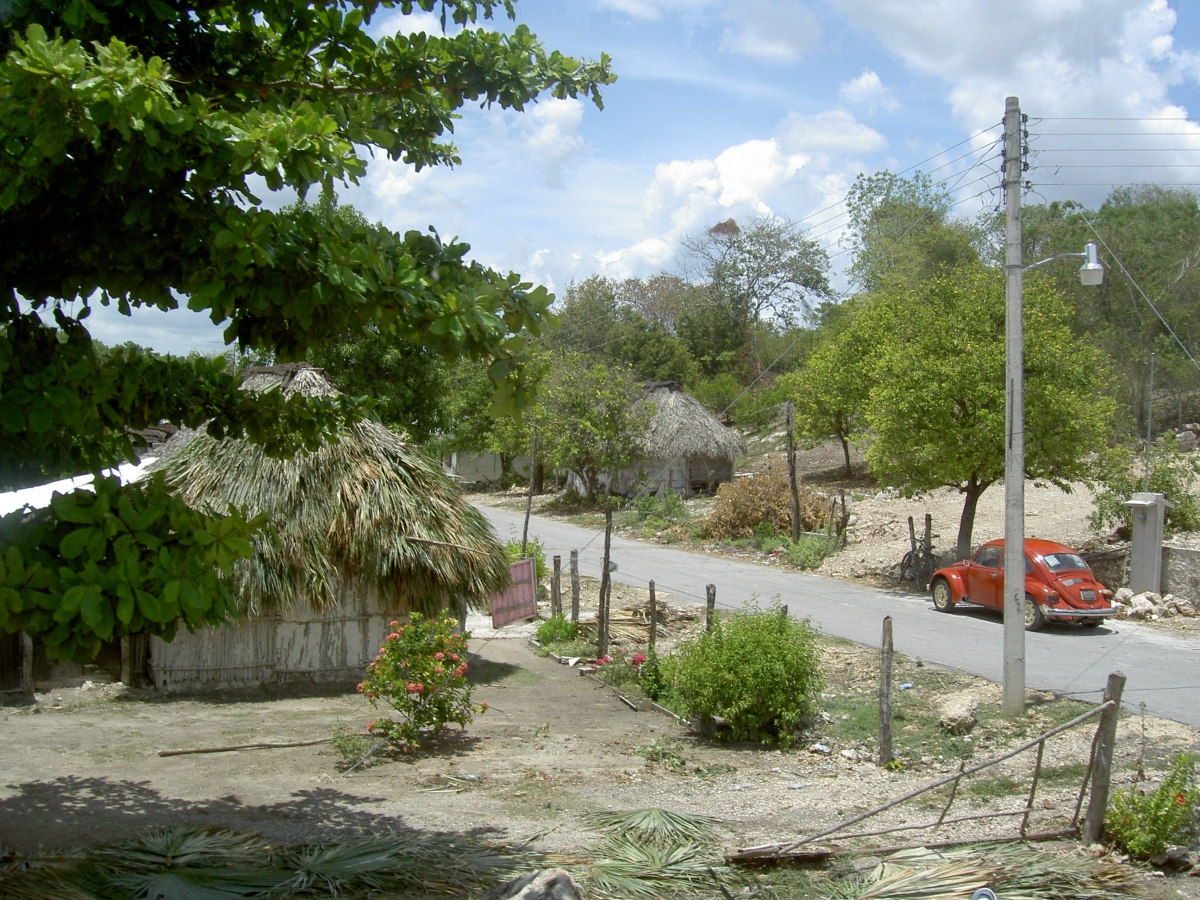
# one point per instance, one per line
(684, 448)
(362, 532)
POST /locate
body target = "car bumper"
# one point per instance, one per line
(1055, 612)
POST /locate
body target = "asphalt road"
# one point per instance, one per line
(1162, 670)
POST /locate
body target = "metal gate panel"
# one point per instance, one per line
(519, 601)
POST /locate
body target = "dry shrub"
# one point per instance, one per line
(745, 503)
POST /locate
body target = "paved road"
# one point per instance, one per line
(1162, 670)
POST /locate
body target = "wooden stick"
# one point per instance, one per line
(1103, 707)
(230, 749)
(885, 695)
(574, 585)
(933, 825)
(710, 605)
(556, 588)
(1037, 773)
(953, 790)
(653, 617)
(766, 855)
(1093, 822)
(1087, 774)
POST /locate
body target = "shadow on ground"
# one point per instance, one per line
(72, 812)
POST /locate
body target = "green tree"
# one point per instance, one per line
(900, 231)
(407, 382)
(936, 406)
(833, 388)
(590, 419)
(1155, 231)
(134, 135)
(767, 271)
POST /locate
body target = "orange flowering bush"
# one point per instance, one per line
(421, 672)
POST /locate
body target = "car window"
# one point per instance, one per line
(1065, 562)
(988, 556)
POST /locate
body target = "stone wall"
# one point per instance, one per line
(1181, 572)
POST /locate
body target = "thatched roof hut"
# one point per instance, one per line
(682, 426)
(685, 448)
(361, 531)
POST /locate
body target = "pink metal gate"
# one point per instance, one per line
(519, 601)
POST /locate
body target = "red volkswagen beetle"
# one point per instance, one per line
(1059, 585)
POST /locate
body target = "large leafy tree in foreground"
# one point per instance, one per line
(136, 137)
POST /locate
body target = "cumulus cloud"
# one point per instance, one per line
(769, 31)
(552, 137)
(810, 157)
(868, 92)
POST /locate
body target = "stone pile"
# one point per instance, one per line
(1149, 605)
(1188, 437)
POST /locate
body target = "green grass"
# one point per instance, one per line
(997, 787)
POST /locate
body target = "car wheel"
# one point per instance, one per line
(1034, 620)
(1091, 623)
(943, 598)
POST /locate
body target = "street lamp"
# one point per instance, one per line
(1090, 273)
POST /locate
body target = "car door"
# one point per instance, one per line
(985, 576)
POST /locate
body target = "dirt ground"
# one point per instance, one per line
(81, 766)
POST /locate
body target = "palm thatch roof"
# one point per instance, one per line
(368, 511)
(682, 427)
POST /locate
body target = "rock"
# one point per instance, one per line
(820, 748)
(1186, 608)
(851, 755)
(1141, 606)
(547, 884)
(958, 714)
(1178, 857)
(1185, 441)
(1192, 426)
(1124, 595)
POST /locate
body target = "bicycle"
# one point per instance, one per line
(917, 566)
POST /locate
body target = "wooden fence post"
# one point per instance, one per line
(1106, 739)
(556, 588)
(710, 601)
(653, 617)
(27, 683)
(574, 585)
(885, 695)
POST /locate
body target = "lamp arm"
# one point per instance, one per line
(1042, 262)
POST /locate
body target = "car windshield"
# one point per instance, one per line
(1065, 562)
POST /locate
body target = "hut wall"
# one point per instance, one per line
(482, 468)
(301, 645)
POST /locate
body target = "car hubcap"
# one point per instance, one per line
(1030, 612)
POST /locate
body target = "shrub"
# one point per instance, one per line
(746, 505)
(557, 630)
(810, 550)
(757, 669)
(534, 548)
(651, 678)
(669, 508)
(421, 672)
(717, 393)
(1172, 474)
(349, 744)
(1144, 825)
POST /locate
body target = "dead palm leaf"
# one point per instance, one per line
(633, 868)
(659, 826)
(889, 881)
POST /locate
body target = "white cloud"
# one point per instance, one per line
(832, 131)
(395, 22)
(868, 92)
(552, 136)
(769, 31)
(650, 10)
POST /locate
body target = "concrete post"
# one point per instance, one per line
(1145, 554)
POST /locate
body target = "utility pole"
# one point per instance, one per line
(791, 453)
(1149, 422)
(1014, 455)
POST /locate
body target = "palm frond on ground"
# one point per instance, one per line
(197, 863)
(657, 825)
(1015, 872)
(627, 867)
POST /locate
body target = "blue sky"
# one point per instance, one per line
(728, 108)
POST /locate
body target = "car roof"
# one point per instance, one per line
(1036, 546)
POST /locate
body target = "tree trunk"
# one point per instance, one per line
(966, 525)
(539, 477)
(846, 453)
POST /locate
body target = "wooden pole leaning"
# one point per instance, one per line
(1106, 739)
(653, 618)
(556, 588)
(574, 585)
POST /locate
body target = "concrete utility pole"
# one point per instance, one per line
(791, 461)
(1014, 455)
